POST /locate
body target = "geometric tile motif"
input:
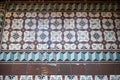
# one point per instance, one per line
(71, 77)
(26, 77)
(55, 77)
(11, 77)
(86, 77)
(59, 56)
(114, 77)
(61, 31)
(64, 7)
(101, 77)
(1, 21)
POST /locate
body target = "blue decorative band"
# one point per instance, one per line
(59, 56)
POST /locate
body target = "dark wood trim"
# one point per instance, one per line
(60, 69)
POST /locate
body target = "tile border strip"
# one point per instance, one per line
(58, 56)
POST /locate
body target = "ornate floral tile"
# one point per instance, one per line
(61, 31)
(44, 32)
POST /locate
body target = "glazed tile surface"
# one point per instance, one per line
(61, 31)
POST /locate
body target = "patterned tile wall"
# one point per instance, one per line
(1, 19)
(59, 77)
(61, 31)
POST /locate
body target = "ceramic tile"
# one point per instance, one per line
(59, 30)
(86, 77)
(1, 77)
(41, 77)
(62, 56)
(11, 77)
(114, 77)
(71, 77)
(101, 77)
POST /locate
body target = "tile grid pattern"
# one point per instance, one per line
(50, 28)
(1, 19)
(61, 31)
(60, 77)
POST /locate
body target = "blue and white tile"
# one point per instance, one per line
(16, 36)
(81, 14)
(30, 24)
(114, 77)
(28, 46)
(41, 77)
(101, 77)
(68, 14)
(17, 24)
(116, 14)
(56, 36)
(56, 77)
(82, 23)
(18, 14)
(44, 14)
(117, 23)
(83, 46)
(7, 23)
(14, 46)
(97, 46)
(94, 14)
(11, 77)
(5, 35)
(69, 23)
(42, 36)
(95, 24)
(69, 46)
(42, 46)
(4, 46)
(109, 36)
(107, 23)
(96, 36)
(1, 77)
(43, 24)
(23, 77)
(83, 36)
(71, 77)
(56, 24)
(111, 46)
(29, 77)
(8, 14)
(29, 36)
(86, 77)
(56, 14)
(31, 14)
(106, 14)
(118, 35)
(56, 46)
(69, 36)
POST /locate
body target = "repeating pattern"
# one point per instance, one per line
(1, 19)
(59, 56)
(63, 6)
(60, 77)
(61, 31)
(46, 32)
